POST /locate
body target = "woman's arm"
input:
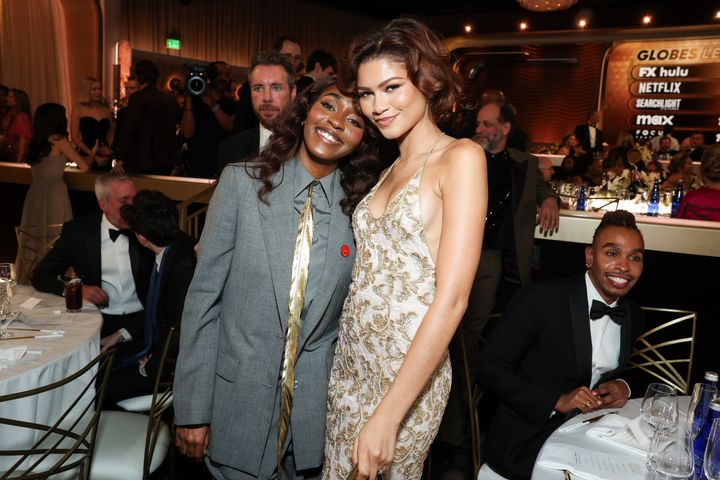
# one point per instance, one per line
(187, 123)
(66, 148)
(463, 189)
(75, 130)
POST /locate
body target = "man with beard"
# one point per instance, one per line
(272, 90)
(518, 200)
(560, 347)
(207, 120)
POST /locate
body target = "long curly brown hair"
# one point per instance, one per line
(359, 170)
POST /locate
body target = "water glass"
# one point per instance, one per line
(659, 407)
(699, 407)
(711, 462)
(670, 454)
(7, 272)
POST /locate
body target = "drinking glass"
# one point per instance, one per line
(7, 271)
(699, 407)
(670, 454)
(659, 407)
(711, 462)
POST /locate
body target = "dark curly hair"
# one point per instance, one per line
(618, 218)
(359, 170)
(422, 53)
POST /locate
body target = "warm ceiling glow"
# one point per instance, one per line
(546, 5)
(523, 26)
(647, 20)
(582, 23)
(468, 28)
(717, 15)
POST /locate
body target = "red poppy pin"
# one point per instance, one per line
(345, 251)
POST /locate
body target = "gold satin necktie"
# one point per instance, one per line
(301, 260)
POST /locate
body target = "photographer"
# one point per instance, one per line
(207, 119)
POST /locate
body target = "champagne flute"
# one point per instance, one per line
(711, 461)
(699, 407)
(659, 407)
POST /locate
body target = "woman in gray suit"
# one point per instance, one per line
(228, 378)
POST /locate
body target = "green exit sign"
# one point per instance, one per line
(172, 43)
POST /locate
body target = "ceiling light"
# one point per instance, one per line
(546, 5)
(523, 26)
(717, 15)
(582, 23)
(647, 20)
(468, 28)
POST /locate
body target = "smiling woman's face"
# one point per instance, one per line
(333, 128)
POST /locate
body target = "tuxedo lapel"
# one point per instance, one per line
(93, 274)
(278, 223)
(339, 234)
(580, 323)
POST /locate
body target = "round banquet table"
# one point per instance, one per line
(578, 443)
(47, 360)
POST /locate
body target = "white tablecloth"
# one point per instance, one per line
(47, 360)
(577, 442)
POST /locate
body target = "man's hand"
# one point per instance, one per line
(612, 394)
(193, 441)
(548, 216)
(95, 295)
(106, 343)
(581, 398)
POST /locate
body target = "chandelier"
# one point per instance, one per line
(546, 5)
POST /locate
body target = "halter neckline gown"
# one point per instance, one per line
(393, 285)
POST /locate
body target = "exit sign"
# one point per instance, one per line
(172, 43)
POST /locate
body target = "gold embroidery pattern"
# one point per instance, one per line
(393, 285)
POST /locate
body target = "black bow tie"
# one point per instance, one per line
(114, 234)
(599, 309)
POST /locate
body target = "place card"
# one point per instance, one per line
(30, 303)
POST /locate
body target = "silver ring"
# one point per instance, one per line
(588, 404)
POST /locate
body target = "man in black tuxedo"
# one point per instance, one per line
(148, 143)
(114, 268)
(154, 219)
(561, 346)
(272, 90)
(588, 135)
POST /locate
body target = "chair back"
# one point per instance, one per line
(68, 443)
(162, 397)
(34, 242)
(664, 351)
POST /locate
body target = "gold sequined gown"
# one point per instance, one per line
(393, 285)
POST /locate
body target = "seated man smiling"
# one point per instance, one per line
(561, 346)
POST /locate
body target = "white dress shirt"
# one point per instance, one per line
(593, 135)
(264, 137)
(605, 337)
(116, 272)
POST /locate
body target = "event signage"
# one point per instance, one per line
(652, 85)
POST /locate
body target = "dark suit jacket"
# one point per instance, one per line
(582, 133)
(540, 350)
(178, 269)
(239, 147)
(303, 82)
(529, 189)
(148, 134)
(79, 247)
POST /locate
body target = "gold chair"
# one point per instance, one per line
(34, 242)
(664, 352)
(133, 445)
(66, 446)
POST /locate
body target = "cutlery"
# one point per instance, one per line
(575, 426)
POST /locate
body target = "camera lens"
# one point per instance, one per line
(196, 85)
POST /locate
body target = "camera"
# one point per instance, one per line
(196, 80)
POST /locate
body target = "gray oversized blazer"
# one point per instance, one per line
(234, 322)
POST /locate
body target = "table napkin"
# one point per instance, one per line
(631, 434)
(11, 355)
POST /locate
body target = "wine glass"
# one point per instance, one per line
(672, 456)
(699, 407)
(711, 462)
(7, 273)
(659, 407)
